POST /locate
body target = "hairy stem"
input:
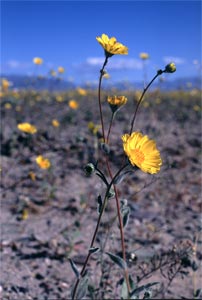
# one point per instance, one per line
(96, 230)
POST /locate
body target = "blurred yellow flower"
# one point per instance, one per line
(5, 84)
(55, 123)
(93, 128)
(142, 152)
(106, 75)
(82, 92)
(43, 162)
(59, 98)
(27, 127)
(73, 104)
(7, 105)
(196, 108)
(18, 108)
(144, 55)
(111, 46)
(53, 73)
(37, 61)
(61, 70)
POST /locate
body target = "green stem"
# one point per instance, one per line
(96, 230)
(99, 96)
(159, 72)
(110, 126)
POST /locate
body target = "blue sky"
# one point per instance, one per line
(63, 33)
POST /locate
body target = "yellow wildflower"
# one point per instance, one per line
(53, 73)
(5, 85)
(55, 123)
(43, 162)
(81, 91)
(106, 75)
(142, 152)
(27, 127)
(7, 105)
(61, 70)
(73, 104)
(59, 98)
(144, 55)
(111, 46)
(116, 102)
(37, 60)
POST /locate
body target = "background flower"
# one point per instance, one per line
(43, 162)
(27, 127)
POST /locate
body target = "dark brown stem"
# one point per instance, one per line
(141, 98)
(121, 228)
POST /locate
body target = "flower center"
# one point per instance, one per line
(139, 156)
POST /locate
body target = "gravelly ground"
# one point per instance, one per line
(46, 220)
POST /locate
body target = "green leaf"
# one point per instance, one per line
(125, 215)
(140, 289)
(74, 268)
(82, 288)
(117, 260)
(99, 202)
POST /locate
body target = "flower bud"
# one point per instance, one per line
(89, 169)
(170, 68)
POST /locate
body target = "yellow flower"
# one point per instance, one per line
(37, 61)
(55, 123)
(144, 55)
(111, 46)
(81, 91)
(7, 105)
(5, 84)
(26, 127)
(116, 102)
(53, 73)
(43, 162)
(106, 75)
(73, 104)
(142, 152)
(61, 70)
(59, 98)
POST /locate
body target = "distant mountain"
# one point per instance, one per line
(57, 84)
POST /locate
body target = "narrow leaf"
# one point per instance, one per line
(74, 268)
(142, 288)
(94, 250)
(99, 202)
(117, 260)
(125, 215)
(82, 288)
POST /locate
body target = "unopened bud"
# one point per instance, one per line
(170, 68)
(89, 169)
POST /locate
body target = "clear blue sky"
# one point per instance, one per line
(64, 33)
